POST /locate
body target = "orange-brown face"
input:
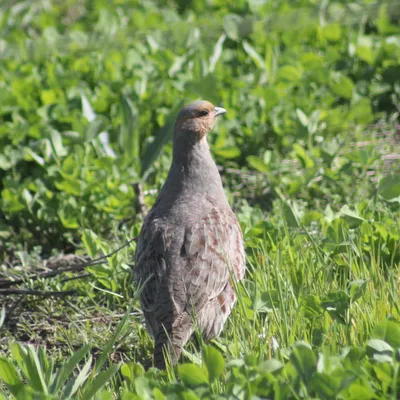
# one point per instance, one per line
(198, 117)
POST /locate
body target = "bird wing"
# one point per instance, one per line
(151, 261)
(212, 254)
(188, 265)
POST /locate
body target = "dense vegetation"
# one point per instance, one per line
(309, 153)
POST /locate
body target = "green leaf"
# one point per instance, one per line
(257, 163)
(258, 60)
(109, 345)
(163, 135)
(290, 214)
(94, 128)
(130, 134)
(360, 391)
(366, 53)
(361, 112)
(389, 187)
(143, 389)
(231, 26)
(290, 73)
(77, 383)
(312, 306)
(389, 331)
(302, 117)
(325, 385)
(380, 346)
(357, 288)
(228, 152)
(56, 144)
(271, 365)
(68, 367)
(89, 239)
(52, 96)
(192, 375)
(70, 186)
(351, 217)
(132, 370)
(343, 87)
(10, 376)
(101, 379)
(214, 362)
(331, 32)
(32, 368)
(304, 360)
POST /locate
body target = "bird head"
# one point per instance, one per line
(197, 119)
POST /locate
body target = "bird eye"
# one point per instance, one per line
(203, 113)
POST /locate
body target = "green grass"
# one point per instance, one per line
(309, 156)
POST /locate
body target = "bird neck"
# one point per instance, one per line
(193, 170)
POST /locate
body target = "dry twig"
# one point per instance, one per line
(75, 267)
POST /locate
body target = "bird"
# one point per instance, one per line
(190, 251)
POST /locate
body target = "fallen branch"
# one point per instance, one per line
(72, 268)
(30, 292)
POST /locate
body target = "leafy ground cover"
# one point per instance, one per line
(309, 154)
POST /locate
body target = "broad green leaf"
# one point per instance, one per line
(331, 31)
(325, 385)
(214, 362)
(94, 128)
(389, 187)
(357, 288)
(343, 87)
(312, 306)
(271, 365)
(304, 360)
(143, 389)
(290, 214)
(360, 391)
(227, 152)
(231, 26)
(132, 370)
(52, 96)
(57, 145)
(257, 163)
(351, 217)
(366, 53)
(192, 375)
(389, 331)
(70, 186)
(290, 73)
(380, 346)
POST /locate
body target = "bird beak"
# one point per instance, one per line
(219, 111)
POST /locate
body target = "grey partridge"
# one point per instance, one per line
(190, 249)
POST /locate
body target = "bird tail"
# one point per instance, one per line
(165, 353)
(158, 356)
(168, 347)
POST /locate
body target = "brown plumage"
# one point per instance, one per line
(191, 245)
